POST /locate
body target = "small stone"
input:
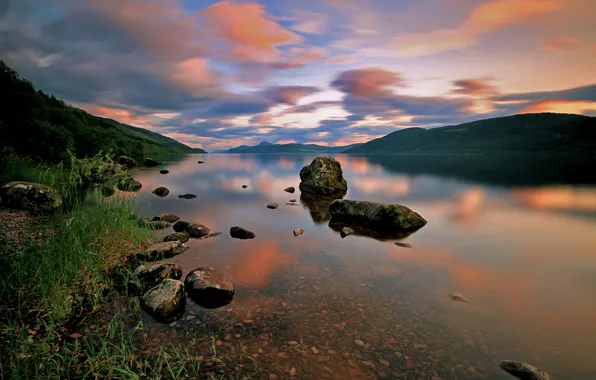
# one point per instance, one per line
(290, 189)
(359, 342)
(248, 321)
(293, 372)
(298, 231)
(384, 362)
(75, 336)
(273, 206)
(405, 245)
(200, 162)
(471, 370)
(314, 350)
(227, 337)
(190, 317)
(187, 196)
(345, 232)
(238, 335)
(369, 364)
(219, 343)
(244, 186)
(293, 343)
(272, 376)
(292, 200)
(331, 352)
(282, 355)
(32, 332)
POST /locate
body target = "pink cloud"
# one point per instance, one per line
(561, 45)
(300, 57)
(474, 87)
(365, 82)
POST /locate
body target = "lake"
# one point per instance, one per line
(518, 241)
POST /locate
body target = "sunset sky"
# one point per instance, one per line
(217, 74)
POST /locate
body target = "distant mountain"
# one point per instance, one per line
(539, 133)
(44, 128)
(266, 147)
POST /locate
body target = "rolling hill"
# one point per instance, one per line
(526, 133)
(44, 128)
(266, 147)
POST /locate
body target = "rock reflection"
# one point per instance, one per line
(364, 230)
(318, 207)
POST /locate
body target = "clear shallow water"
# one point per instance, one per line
(525, 257)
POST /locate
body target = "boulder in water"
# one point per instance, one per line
(161, 251)
(187, 196)
(166, 301)
(386, 218)
(323, 177)
(30, 196)
(177, 236)
(164, 171)
(290, 189)
(161, 191)
(197, 230)
(209, 287)
(272, 206)
(150, 162)
(241, 233)
(244, 186)
(126, 161)
(149, 275)
(523, 371)
(181, 225)
(200, 162)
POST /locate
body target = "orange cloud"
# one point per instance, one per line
(367, 82)
(561, 45)
(249, 33)
(263, 119)
(560, 106)
(193, 75)
(485, 18)
(474, 87)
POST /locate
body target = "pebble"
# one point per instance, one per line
(282, 355)
(227, 337)
(293, 343)
(272, 376)
(237, 335)
(384, 362)
(190, 317)
(471, 370)
(315, 350)
(218, 343)
(298, 231)
(359, 342)
(293, 372)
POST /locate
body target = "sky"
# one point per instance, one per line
(218, 74)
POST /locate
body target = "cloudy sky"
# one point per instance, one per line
(217, 74)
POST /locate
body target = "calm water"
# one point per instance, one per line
(524, 255)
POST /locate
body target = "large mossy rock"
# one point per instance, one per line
(177, 236)
(166, 301)
(197, 230)
(209, 287)
(127, 161)
(30, 196)
(161, 251)
(150, 162)
(149, 275)
(161, 191)
(323, 177)
(129, 184)
(523, 371)
(384, 218)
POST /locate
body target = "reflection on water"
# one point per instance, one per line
(372, 309)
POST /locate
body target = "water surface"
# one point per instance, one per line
(522, 248)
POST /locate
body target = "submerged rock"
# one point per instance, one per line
(400, 244)
(150, 162)
(170, 218)
(164, 171)
(290, 189)
(298, 231)
(161, 251)
(149, 275)
(523, 371)
(244, 186)
(345, 231)
(30, 196)
(181, 225)
(200, 162)
(272, 206)
(129, 184)
(212, 235)
(187, 196)
(126, 161)
(459, 297)
(177, 236)
(386, 218)
(197, 230)
(323, 177)
(161, 191)
(291, 204)
(166, 301)
(241, 233)
(209, 287)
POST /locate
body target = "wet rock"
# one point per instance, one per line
(388, 219)
(273, 206)
(345, 231)
(177, 236)
(323, 177)
(149, 275)
(292, 200)
(359, 342)
(523, 371)
(241, 233)
(166, 301)
(187, 196)
(244, 186)
(129, 184)
(128, 162)
(209, 287)
(459, 297)
(161, 191)
(400, 244)
(164, 171)
(170, 218)
(150, 162)
(298, 231)
(152, 225)
(290, 189)
(181, 225)
(197, 230)
(30, 196)
(163, 250)
(200, 162)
